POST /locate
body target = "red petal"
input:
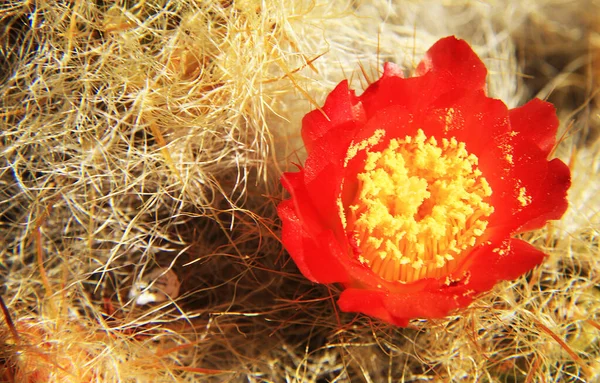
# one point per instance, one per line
(450, 65)
(392, 70)
(425, 304)
(368, 302)
(539, 190)
(471, 117)
(398, 309)
(413, 94)
(536, 121)
(395, 120)
(544, 183)
(501, 261)
(478, 121)
(455, 65)
(323, 173)
(300, 202)
(548, 201)
(523, 180)
(317, 255)
(341, 107)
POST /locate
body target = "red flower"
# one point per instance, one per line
(411, 192)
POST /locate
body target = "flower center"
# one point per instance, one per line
(419, 207)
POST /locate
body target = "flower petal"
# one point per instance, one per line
(537, 122)
(341, 107)
(316, 255)
(449, 66)
(368, 302)
(300, 203)
(323, 174)
(541, 185)
(537, 190)
(471, 117)
(397, 308)
(502, 261)
(548, 198)
(392, 70)
(455, 65)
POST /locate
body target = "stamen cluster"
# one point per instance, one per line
(419, 206)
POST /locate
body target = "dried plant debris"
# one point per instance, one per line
(138, 136)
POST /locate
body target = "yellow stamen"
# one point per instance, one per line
(524, 199)
(420, 206)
